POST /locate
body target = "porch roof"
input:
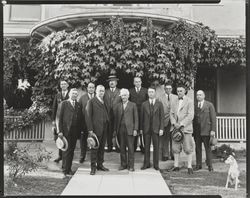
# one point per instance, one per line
(48, 26)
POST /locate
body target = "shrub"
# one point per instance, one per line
(20, 161)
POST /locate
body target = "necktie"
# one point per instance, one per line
(168, 97)
(181, 98)
(73, 103)
(199, 105)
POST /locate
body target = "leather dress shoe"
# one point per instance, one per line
(174, 169)
(144, 167)
(81, 160)
(131, 169)
(57, 160)
(142, 149)
(117, 150)
(190, 171)
(165, 158)
(210, 169)
(156, 168)
(122, 168)
(196, 168)
(70, 173)
(93, 170)
(102, 168)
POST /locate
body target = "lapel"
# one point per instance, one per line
(148, 107)
(97, 101)
(127, 107)
(156, 105)
(183, 103)
(70, 105)
(203, 107)
(116, 92)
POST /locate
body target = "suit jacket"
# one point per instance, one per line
(65, 118)
(83, 103)
(138, 98)
(96, 116)
(207, 119)
(184, 116)
(167, 104)
(130, 116)
(57, 100)
(158, 116)
(109, 101)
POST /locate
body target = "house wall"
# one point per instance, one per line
(226, 18)
(231, 90)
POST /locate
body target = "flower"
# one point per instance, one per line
(23, 84)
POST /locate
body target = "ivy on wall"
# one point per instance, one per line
(85, 53)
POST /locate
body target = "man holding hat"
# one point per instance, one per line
(138, 95)
(70, 119)
(111, 99)
(60, 96)
(204, 129)
(83, 103)
(97, 123)
(165, 143)
(181, 117)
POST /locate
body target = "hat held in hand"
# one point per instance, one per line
(62, 143)
(93, 141)
(177, 135)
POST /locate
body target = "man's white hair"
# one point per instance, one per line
(98, 87)
(124, 91)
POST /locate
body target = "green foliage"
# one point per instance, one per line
(20, 161)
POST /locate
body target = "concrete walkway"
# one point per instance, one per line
(114, 182)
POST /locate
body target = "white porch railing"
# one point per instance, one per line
(231, 128)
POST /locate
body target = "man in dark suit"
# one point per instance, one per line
(152, 124)
(126, 126)
(165, 143)
(70, 127)
(83, 103)
(181, 117)
(60, 96)
(111, 98)
(204, 128)
(138, 95)
(97, 122)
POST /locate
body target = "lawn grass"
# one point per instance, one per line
(203, 182)
(35, 185)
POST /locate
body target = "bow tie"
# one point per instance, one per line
(181, 98)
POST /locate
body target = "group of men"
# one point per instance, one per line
(132, 116)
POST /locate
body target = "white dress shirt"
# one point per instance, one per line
(152, 100)
(200, 104)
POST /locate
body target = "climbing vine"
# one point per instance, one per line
(137, 48)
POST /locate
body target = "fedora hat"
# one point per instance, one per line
(62, 143)
(177, 135)
(112, 77)
(92, 141)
